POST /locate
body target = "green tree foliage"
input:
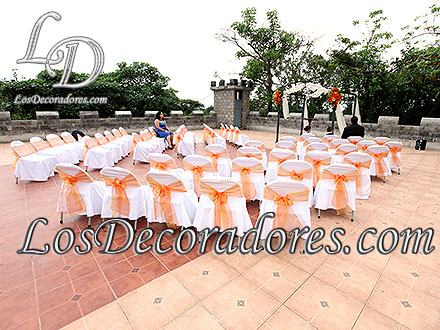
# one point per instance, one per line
(136, 87)
(407, 86)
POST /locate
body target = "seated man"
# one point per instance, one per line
(307, 129)
(354, 129)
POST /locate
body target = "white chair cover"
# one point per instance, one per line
(355, 139)
(241, 138)
(44, 149)
(313, 158)
(328, 138)
(279, 155)
(356, 159)
(32, 166)
(97, 157)
(196, 161)
(375, 163)
(165, 159)
(125, 138)
(299, 208)
(56, 142)
(334, 144)
(205, 216)
(118, 141)
(298, 166)
(289, 138)
(396, 148)
(187, 140)
(224, 164)
(364, 144)
(183, 203)
(257, 179)
(381, 140)
(138, 196)
(252, 152)
(142, 148)
(306, 143)
(316, 146)
(341, 151)
(284, 144)
(326, 188)
(259, 145)
(116, 150)
(92, 192)
(301, 140)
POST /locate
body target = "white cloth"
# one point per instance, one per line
(256, 178)
(366, 176)
(143, 150)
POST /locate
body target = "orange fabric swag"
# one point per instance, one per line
(248, 186)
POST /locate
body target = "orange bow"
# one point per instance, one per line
(120, 204)
(250, 155)
(317, 163)
(380, 163)
(178, 139)
(69, 190)
(395, 160)
(162, 195)
(285, 216)
(381, 143)
(163, 166)
(359, 166)
(215, 156)
(247, 184)
(298, 176)
(342, 152)
(222, 212)
(197, 173)
(340, 195)
(275, 158)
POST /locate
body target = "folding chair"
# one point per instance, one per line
(380, 140)
(142, 149)
(289, 138)
(70, 140)
(276, 157)
(29, 165)
(196, 167)
(355, 139)
(222, 205)
(284, 144)
(56, 142)
(260, 146)
(336, 189)
(364, 144)
(395, 155)
(288, 199)
(380, 165)
(334, 144)
(316, 146)
(44, 149)
(164, 162)
(79, 194)
(125, 138)
(329, 138)
(318, 160)
(362, 162)
(171, 201)
(241, 139)
(126, 148)
(124, 196)
(298, 170)
(115, 149)
(160, 141)
(95, 156)
(249, 172)
(220, 159)
(184, 141)
(343, 150)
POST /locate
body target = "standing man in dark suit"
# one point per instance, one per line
(354, 129)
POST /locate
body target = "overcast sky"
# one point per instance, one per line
(177, 37)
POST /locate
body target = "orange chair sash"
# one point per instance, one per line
(68, 138)
(215, 156)
(395, 160)
(21, 151)
(164, 166)
(275, 158)
(317, 163)
(197, 172)
(40, 145)
(340, 195)
(342, 152)
(380, 163)
(250, 155)
(178, 138)
(110, 136)
(120, 204)
(74, 202)
(298, 176)
(102, 140)
(117, 134)
(359, 166)
(162, 196)
(222, 212)
(285, 217)
(247, 184)
(55, 141)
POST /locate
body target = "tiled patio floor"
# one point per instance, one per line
(218, 291)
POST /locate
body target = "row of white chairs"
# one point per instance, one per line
(233, 135)
(211, 137)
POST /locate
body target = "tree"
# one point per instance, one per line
(272, 54)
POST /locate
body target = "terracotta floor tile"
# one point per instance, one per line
(220, 303)
(60, 316)
(241, 318)
(137, 300)
(262, 304)
(152, 271)
(283, 317)
(105, 317)
(126, 284)
(13, 316)
(92, 300)
(55, 297)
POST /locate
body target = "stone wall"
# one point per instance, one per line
(429, 128)
(90, 123)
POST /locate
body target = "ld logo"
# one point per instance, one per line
(71, 45)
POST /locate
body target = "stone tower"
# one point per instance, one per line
(231, 101)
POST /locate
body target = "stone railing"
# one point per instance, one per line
(429, 128)
(90, 123)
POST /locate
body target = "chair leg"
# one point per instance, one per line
(16, 180)
(319, 213)
(85, 168)
(61, 218)
(134, 162)
(384, 179)
(90, 223)
(398, 171)
(352, 216)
